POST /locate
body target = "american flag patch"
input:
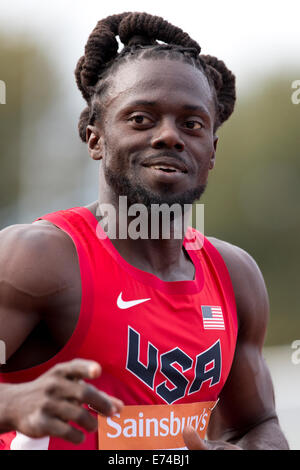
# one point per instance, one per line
(212, 318)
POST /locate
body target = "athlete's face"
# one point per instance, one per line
(157, 142)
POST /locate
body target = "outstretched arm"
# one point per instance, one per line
(245, 417)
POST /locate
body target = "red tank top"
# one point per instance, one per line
(157, 342)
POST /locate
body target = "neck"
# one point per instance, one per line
(144, 239)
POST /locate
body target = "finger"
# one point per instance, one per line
(85, 393)
(77, 369)
(77, 414)
(116, 403)
(57, 428)
(192, 439)
(194, 442)
(101, 402)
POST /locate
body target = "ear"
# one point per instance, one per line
(94, 142)
(213, 157)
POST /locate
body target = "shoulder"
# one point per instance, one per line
(34, 258)
(249, 288)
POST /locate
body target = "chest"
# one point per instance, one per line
(159, 347)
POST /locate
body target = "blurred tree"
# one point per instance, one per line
(253, 196)
(23, 66)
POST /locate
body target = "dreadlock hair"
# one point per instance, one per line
(139, 32)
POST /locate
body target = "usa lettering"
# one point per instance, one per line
(207, 368)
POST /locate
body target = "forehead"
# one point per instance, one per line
(163, 80)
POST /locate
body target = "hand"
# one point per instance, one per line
(194, 442)
(45, 406)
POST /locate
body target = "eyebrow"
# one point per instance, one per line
(187, 107)
(142, 103)
(195, 107)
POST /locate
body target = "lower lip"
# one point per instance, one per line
(165, 176)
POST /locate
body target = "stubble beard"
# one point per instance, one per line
(138, 194)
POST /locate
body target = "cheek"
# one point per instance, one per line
(122, 151)
(204, 151)
(111, 150)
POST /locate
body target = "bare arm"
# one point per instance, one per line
(35, 269)
(35, 277)
(18, 303)
(245, 415)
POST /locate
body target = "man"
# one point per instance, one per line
(174, 327)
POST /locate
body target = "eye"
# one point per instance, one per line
(140, 120)
(193, 125)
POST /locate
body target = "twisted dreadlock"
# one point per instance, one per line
(139, 33)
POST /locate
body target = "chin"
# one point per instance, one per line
(137, 193)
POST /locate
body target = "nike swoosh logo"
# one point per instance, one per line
(131, 303)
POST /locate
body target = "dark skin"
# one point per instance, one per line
(40, 285)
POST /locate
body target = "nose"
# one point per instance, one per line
(167, 136)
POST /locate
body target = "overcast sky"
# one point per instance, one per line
(252, 37)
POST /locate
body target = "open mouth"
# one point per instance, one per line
(166, 165)
(167, 169)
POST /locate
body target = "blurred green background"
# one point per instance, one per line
(252, 199)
